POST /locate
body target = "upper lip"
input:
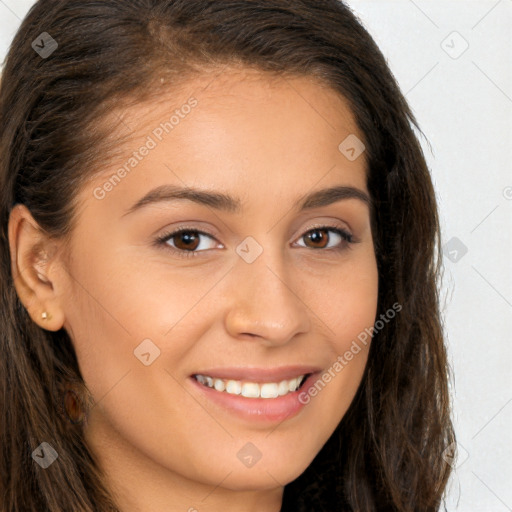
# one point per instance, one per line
(253, 374)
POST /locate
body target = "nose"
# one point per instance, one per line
(263, 303)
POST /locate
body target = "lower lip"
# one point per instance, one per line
(273, 410)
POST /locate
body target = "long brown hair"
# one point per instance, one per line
(386, 454)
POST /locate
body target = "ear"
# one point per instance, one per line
(34, 263)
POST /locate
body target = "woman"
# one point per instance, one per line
(219, 264)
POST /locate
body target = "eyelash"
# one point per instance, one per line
(163, 239)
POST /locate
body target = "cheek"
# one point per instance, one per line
(347, 301)
(352, 311)
(119, 313)
(347, 308)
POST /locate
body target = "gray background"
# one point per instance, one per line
(462, 98)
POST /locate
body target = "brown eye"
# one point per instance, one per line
(318, 238)
(327, 238)
(186, 240)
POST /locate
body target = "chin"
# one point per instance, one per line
(267, 473)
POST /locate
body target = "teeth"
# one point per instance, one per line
(252, 389)
(233, 387)
(219, 385)
(269, 390)
(283, 388)
(293, 384)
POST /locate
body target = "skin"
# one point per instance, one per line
(162, 444)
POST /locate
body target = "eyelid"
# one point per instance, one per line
(329, 225)
(166, 235)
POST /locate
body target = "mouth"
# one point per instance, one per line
(251, 389)
(267, 396)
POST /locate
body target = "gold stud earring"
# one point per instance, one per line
(45, 315)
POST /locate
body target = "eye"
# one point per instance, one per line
(186, 242)
(319, 238)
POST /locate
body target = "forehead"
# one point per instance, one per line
(236, 95)
(238, 125)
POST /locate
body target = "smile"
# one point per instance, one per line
(252, 389)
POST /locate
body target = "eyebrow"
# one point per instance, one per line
(227, 203)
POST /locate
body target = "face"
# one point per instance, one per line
(214, 255)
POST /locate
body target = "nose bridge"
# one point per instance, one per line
(264, 303)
